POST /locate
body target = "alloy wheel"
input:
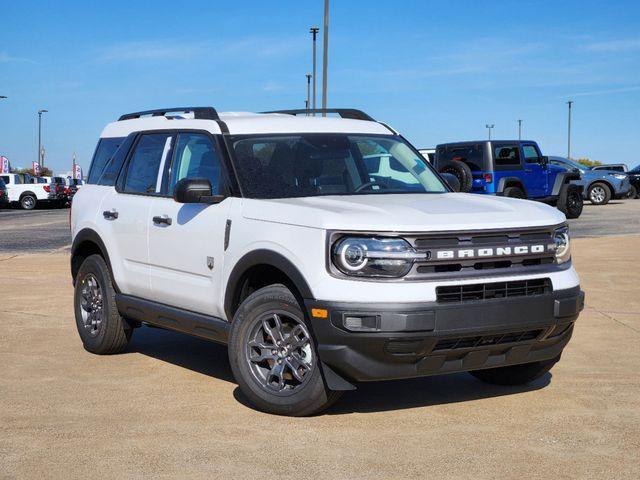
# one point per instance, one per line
(91, 305)
(597, 194)
(279, 352)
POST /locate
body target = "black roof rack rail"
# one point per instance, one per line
(200, 113)
(351, 113)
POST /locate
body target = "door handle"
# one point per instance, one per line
(163, 220)
(110, 214)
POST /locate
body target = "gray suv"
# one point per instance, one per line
(600, 186)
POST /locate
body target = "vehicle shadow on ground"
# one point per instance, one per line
(208, 358)
(198, 355)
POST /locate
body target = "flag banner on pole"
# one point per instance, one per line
(77, 172)
(36, 169)
(4, 165)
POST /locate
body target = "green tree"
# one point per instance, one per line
(588, 163)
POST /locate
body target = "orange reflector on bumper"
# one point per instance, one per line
(319, 313)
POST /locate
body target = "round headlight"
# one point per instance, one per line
(374, 257)
(563, 244)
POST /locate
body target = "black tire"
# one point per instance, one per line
(102, 330)
(514, 192)
(570, 201)
(28, 202)
(633, 192)
(599, 193)
(515, 374)
(253, 366)
(462, 172)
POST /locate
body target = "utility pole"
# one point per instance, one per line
(325, 55)
(308, 91)
(489, 127)
(519, 129)
(40, 112)
(314, 32)
(570, 103)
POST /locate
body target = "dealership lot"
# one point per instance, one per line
(168, 407)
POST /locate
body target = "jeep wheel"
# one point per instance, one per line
(101, 328)
(28, 202)
(599, 194)
(515, 374)
(461, 171)
(514, 192)
(570, 201)
(273, 357)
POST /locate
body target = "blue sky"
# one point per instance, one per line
(436, 71)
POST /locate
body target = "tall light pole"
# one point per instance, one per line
(308, 91)
(489, 127)
(570, 103)
(40, 112)
(314, 32)
(519, 129)
(325, 54)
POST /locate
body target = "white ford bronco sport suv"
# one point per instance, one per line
(267, 232)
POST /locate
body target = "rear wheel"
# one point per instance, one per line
(273, 357)
(101, 328)
(570, 201)
(461, 171)
(515, 374)
(28, 202)
(633, 192)
(599, 194)
(514, 192)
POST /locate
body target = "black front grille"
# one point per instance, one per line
(486, 340)
(488, 291)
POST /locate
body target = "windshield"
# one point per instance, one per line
(573, 164)
(635, 169)
(309, 165)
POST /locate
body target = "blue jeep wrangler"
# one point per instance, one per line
(513, 168)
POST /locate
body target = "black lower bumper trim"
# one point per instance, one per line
(414, 340)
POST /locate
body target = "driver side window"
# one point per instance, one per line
(530, 154)
(195, 157)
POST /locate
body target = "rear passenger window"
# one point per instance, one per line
(195, 157)
(506, 155)
(104, 151)
(148, 155)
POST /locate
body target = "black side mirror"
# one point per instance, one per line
(452, 181)
(544, 160)
(195, 190)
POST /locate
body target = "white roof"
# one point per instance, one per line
(240, 123)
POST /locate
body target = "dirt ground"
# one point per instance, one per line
(168, 407)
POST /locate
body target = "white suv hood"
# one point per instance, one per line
(405, 212)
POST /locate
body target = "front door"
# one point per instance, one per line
(186, 241)
(535, 173)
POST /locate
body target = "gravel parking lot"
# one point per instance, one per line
(169, 408)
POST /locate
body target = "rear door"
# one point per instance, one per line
(186, 241)
(124, 213)
(535, 174)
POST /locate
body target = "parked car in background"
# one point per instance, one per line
(634, 180)
(613, 167)
(4, 195)
(511, 168)
(599, 186)
(27, 194)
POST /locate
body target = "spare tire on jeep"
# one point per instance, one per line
(462, 172)
(570, 201)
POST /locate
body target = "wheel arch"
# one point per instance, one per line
(87, 242)
(605, 182)
(505, 182)
(260, 268)
(28, 192)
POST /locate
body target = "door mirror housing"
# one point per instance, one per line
(544, 160)
(195, 190)
(452, 181)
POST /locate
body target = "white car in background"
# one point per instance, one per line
(24, 190)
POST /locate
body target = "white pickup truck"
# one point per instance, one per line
(21, 191)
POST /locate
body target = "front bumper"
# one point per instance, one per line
(431, 338)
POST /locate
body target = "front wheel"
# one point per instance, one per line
(633, 192)
(515, 374)
(273, 357)
(599, 194)
(570, 201)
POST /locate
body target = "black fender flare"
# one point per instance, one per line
(263, 257)
(561, 179)
(503, 182)
(91, 236)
